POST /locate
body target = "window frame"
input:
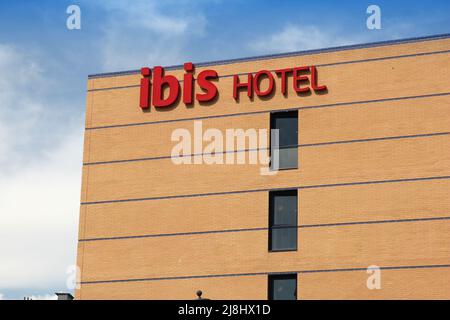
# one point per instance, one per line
(283, 114)
(271, 219)
(270, 283)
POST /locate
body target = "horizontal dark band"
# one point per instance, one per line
(259, 149)
(268, 273)
(339, 224)
(266, 190)
(319, 106)
(286, 55)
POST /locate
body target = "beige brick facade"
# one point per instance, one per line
(373, 184)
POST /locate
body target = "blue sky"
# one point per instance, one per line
(43, 73)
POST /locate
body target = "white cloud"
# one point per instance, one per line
(145, 33)
(295, 38)
(147, 15)
(19, 110)
(2, 297)
(40, 170)
(39, 206)
(44, 297)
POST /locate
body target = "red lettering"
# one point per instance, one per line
(283, 73)
(188, 81)
(237, 85)
(159, 82)
(297, 78)
(314, 77)
(305, 79)
(209, 88)
(257, 82)
(144, 102)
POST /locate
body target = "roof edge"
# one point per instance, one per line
(284, 55)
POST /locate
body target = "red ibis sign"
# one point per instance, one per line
(155, 82)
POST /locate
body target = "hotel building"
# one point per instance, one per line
(364, 182)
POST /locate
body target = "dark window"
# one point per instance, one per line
(287, 124)
(283, 287)
(283, 220)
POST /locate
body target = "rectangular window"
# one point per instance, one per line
(283, 220)
(287, 124)
(283, 287)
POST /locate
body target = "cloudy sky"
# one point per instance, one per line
(43, 73)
